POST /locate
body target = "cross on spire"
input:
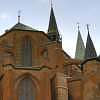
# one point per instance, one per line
(19, 12)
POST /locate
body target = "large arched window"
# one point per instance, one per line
(26, 52)
(26, 90)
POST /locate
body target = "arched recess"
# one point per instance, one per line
(26, 89)
(26, 51)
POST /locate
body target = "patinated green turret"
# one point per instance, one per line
(80, 48)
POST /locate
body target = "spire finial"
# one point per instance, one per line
(78, 24)
(88, 28)
(51, 3)
(19, 12)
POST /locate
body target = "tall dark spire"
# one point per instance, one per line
(90, 51)
(52, 22)
(80, 48)
(53, 32)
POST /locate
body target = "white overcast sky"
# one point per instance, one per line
(36, 13)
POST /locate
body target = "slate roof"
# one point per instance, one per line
(90, 51)
(20, 26)
(90, 59)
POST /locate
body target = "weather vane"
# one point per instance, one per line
(19, 15)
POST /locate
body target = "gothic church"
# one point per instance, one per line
(34, 66)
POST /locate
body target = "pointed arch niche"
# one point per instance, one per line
(26, 89)
(26, 51)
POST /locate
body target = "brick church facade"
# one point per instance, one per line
(34, 66)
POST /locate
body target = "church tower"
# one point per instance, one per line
(80, 48)
(90, 51)
(53, 33)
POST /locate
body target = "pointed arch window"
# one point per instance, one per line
(27, 52)
(26, 90)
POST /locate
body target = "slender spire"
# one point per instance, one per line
(53, 32)
(19, 12)
(80, 48)
(90, 51)
(52, 22)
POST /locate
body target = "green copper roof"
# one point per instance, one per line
(52, 23)
(80, 48)
(90, 51)
(20, 26)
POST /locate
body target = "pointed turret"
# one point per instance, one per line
(80, 48)
(53, 32)
(90, 51)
